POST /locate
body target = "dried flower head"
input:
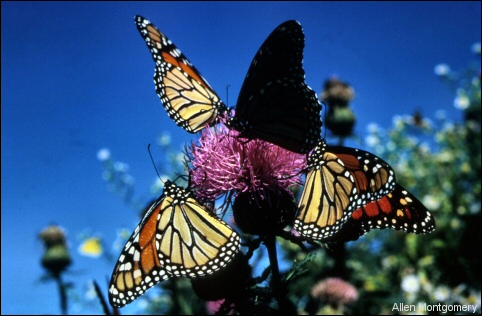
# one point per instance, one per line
(337, 92)
(340, 118)
(57, 256)
(53, 235)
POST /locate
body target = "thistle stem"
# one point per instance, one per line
(278, 288)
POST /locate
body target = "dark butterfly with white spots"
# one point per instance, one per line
(275, 103)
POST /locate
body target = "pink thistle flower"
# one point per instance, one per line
(335, 291)
(222, 163)
(214, 307)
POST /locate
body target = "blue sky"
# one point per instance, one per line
(77, 77)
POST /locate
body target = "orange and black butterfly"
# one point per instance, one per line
(349, 191)
(187, 96)
(178, 236)
(399, 210)
(275, 103)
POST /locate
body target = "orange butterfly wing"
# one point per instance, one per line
(138, 268)
(178, 236)
(186, 95)
(399, 210)
(339, 181)
(349, 191)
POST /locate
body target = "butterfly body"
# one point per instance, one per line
(178, 236)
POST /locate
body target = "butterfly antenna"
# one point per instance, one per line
(153, 163)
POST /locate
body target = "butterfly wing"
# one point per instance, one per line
(339, 181)
(399, 210)
(178, 236)
(373, 176)
(275, 103)
(328, 196)
(187, 96)
(139, 268)
(194, 242)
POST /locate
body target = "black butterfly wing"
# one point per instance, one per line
(281, 55)
(275, 103)
(399, 210)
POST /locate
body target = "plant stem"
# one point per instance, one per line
(63, 294)
(278, 288)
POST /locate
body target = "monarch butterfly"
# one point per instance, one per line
(349, 191)
(398, 210)
(274, 104)
(188, 98)
(178, 236)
